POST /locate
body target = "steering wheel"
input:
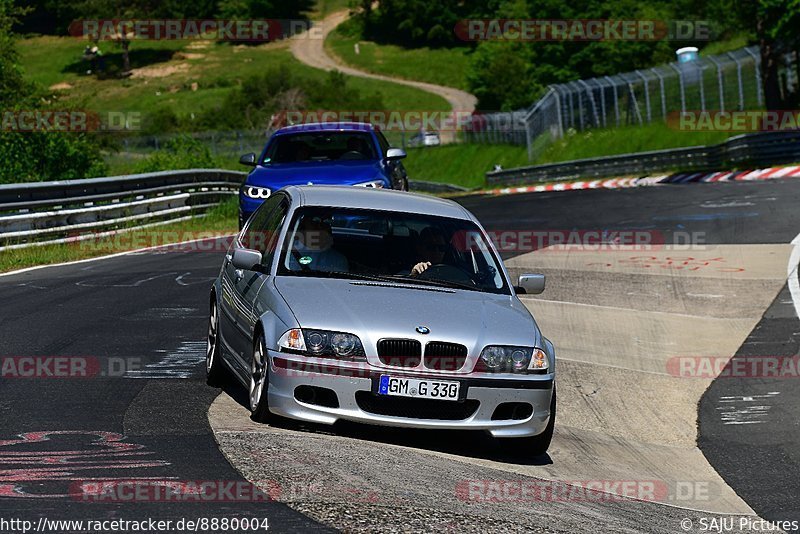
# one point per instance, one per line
(447, 273)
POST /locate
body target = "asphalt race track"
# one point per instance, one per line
(142, 414)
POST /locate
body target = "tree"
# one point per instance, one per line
(773, 25)
(13, 87)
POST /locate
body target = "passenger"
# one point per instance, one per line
(313, 248)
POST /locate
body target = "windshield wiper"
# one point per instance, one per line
(389, 278)
(431, 282)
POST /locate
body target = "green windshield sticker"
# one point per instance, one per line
(305, 260)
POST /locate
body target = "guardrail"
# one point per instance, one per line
(756, 149)
(41, 213)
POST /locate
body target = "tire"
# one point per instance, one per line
(215, 368)
(534, 446)
(259, 383)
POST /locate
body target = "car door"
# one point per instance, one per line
(237, 284)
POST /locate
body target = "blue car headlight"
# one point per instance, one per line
(257, 193)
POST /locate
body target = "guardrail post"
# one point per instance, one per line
(663, 94)
(616, 97)
(702, 88)
(757, 65)
(646, 95)
(590, 96)
(635, 103)
(683, 88)
(719, 82)
(739, 79)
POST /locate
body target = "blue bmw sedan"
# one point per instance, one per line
(321, 153)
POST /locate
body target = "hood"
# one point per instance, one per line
(374, 310)
(280, 175)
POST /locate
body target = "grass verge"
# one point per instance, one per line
(184, 76)
(221, 220)
(629, 139)
(442, 66)
(464, 165)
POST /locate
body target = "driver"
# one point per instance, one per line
(313, 248)
(431, 249)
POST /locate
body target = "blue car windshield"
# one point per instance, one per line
(308, 147)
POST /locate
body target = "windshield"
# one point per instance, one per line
(390, 247)
(320, 146)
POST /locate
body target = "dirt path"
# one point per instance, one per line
(310, 49)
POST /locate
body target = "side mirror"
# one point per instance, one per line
(248, 159)
(246, 259)
(530, 284)
(395, 153)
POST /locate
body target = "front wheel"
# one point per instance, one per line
(537, 445)
(259, 383)
(215, 371)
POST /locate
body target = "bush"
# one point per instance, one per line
(42, 156)
(182, 152)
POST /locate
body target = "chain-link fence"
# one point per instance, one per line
(724, 82)
(225, 144)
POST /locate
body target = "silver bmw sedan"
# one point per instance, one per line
(380, 307)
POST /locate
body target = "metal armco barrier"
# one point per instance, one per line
(757, 149)
(40, 213)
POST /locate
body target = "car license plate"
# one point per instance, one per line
(418, 388)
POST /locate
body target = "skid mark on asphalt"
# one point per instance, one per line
(182, 362)
(738, 410)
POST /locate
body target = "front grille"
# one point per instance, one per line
(443, 356)
(416, 408)
(400, 352)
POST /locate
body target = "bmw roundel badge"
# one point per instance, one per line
(423, 330)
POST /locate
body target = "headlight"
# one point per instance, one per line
(377, 184)
(322, 343)
(258, 193)
(506, 359)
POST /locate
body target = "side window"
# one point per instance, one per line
(252, 236)
(384, 144)
(272, 231)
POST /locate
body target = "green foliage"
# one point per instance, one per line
(36, 156)
(41, 156)
(252, 104)
(182, 152)
(13, 87)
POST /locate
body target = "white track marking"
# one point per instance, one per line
(794, 283)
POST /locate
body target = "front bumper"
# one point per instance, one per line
(354, 382)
